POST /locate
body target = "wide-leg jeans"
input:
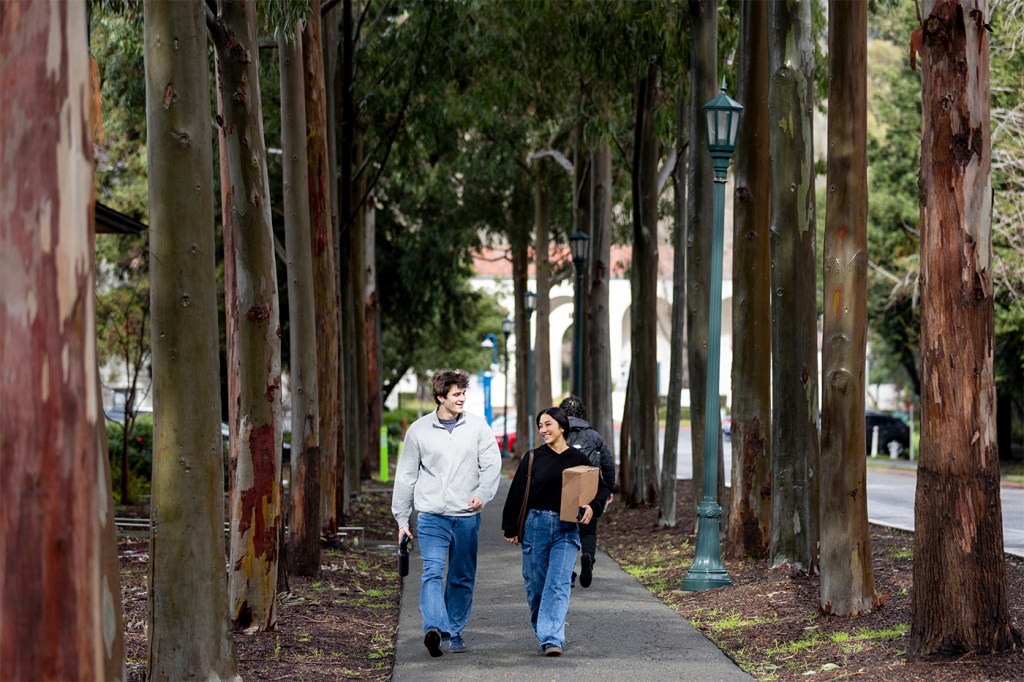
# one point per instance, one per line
(549, 548)
(452, 540)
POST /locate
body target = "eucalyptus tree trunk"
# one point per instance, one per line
(847, 580)
(325, 292)
(360, 376)
(344, 100)
(189, 637)
(749, 528)
(55, 485)
(371, 331)
(700, 207)
(598, 359)
(542, 383)
(304, 521)
(332, 46)
(960, 590)
(794, 534)
(253, 323)
(643, 403)
(583, 213)
(677, 364)
(519, 245)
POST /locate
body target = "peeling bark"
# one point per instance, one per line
(252, 310)
(960, 590)
(794, 534)
(847, 579)
(304, 490)
(55, 528)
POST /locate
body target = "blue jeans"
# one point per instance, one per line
(445, 604)
(549, 547)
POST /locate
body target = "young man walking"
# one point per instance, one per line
(448, 471)
(583, 437)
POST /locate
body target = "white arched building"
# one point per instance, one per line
(493, 273)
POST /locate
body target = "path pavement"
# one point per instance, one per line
(616, 629)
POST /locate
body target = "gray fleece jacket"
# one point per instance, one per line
(439, 471)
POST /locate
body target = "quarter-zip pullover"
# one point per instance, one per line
(439, 471)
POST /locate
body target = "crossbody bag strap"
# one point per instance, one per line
(526, 497)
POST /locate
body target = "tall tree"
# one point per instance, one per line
(189, 637)
(794, 447)
(542, 287)
(598, 359)
(304, 488)
(847, 580)
(643, 403)
(750, 499)
(960, 591)
(324, 285)
(53, 588)
(252, 310)
(677, 363)
(700, 190)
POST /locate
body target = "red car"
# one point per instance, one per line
(498, 425)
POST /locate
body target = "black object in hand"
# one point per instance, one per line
(403, 557)
(580, 513)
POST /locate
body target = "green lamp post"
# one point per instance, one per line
(579, 248)
(529, 304)
(707, 572)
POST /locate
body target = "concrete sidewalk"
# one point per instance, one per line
(616, 629)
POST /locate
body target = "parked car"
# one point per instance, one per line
(499, 428)
(893, 433)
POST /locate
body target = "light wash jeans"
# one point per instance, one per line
(549, 547)
(445, 604)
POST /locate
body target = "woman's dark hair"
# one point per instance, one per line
(558, 414)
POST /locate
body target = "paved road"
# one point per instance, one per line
(891, 503)
(890, 493)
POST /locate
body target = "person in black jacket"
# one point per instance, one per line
(584, 438)
(549, 545)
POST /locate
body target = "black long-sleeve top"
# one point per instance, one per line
(546, 486)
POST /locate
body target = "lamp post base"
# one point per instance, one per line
(707, 571)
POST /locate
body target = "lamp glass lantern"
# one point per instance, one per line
(722, 115)
(530, 302)
(579, 247)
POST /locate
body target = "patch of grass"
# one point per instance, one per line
(382, 644)
(886, 633)
(902, 553)
(305, 637)
(734, 621)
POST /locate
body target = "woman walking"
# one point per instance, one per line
(549, 544)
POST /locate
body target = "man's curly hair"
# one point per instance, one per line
(573, 407)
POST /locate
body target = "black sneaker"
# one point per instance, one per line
(432, 640)
(551, 650)
(587, 570)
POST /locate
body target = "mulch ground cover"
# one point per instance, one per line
(342, 625)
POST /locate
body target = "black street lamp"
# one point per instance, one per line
(579, 247)
(530, 303)
(707, 571)
(506, 330)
